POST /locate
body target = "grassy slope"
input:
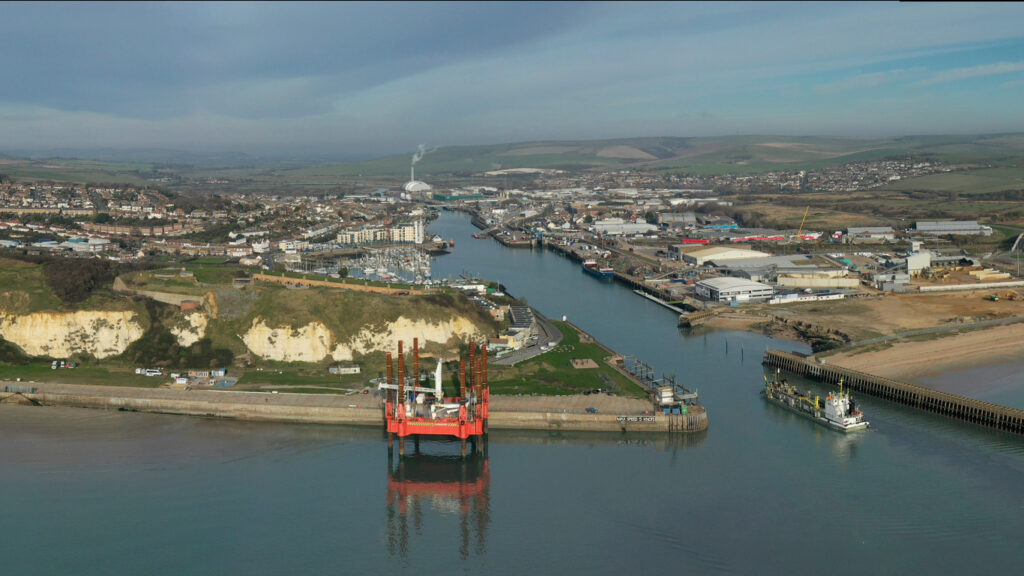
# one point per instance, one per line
(967, 182)
(552, 373)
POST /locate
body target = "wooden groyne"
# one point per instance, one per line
(966, 409)
(697, 318)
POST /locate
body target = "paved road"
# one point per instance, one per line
(547, 334)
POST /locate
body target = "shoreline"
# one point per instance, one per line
(909, 358)
(615, 414)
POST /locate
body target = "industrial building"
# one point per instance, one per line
(767, 268)
(896, 282)
(728, 289)
(956, 228)
(618, 226)
(677, 218)
(918, 261)
(720, 253)
(870, 234)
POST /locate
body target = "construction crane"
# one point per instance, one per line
(800, 231)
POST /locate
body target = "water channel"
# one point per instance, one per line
(92, 492)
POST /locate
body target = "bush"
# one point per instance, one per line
(11, 354)
(159, 347)
(73, 280)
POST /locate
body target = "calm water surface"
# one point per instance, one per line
(765, 491)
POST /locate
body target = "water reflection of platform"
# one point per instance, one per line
(446, 485)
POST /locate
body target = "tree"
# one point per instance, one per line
(651, 217)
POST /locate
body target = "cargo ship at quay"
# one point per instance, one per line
(838, 411)
(602, 272)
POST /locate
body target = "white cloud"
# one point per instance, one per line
(859, 81)
(974, 72)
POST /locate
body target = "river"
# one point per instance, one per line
(763, 491)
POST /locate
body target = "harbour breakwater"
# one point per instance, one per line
(355, 409)
(950, 405)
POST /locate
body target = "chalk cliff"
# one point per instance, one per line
(314, 341)
(60, 334)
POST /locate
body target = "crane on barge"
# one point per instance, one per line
(411, 409)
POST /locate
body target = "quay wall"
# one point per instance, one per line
(325, 409)
(950, 405)
(221, 409)
(695, 421)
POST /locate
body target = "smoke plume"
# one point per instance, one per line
(420, 153)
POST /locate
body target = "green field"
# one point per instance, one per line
(290, 377)
(969, 182)
(107, 375)
(552, 373)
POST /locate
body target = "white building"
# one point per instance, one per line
(721, 253)
(618, 226)
(956, 228)
(729, 289)
(408, 233)
(362, 235)
(918, 261)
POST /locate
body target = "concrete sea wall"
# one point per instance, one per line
(357, 409)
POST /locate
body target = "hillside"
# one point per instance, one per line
(702, 155)
(145, 322)
(697, 155)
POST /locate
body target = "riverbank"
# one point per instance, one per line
(613, 413)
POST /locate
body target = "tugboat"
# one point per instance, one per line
(837, 412)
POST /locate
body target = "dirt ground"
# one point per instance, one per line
(863, 318)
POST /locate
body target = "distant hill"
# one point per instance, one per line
(702, 155)
(707, 155)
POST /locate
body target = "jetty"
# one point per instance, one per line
(960, 408)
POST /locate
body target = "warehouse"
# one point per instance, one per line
(958, 228)
(729, 289)
(618, 226)
(720, 254)
(861, 234)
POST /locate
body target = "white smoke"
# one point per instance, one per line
(420, 153)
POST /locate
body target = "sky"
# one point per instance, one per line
(371, 79)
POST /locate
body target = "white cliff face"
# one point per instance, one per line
(62, 334)
(307, 344)
(192, 332)
(313, 342)
(385, 338)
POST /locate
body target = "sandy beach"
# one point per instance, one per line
(906, 360)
